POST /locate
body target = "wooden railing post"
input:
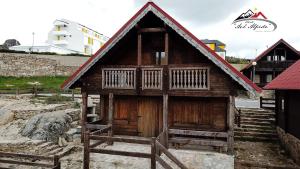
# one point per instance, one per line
(165, 120)
(56, 162)
(230, 122)
(83, 114)
(86, 150)
(153, 153)
(260, 102)
(110, 115)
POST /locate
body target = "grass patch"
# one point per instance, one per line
(57, 98)
(47, 83)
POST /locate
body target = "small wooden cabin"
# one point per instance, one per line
(154, 75)
(287, 108)
(271, 63)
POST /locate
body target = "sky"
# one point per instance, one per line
(209, 19)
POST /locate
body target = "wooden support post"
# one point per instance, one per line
(165, 119)
(101, 107)
(230, 123)
(167, 48)
(110, 115)
(153, 153)
(73, 97)
(260, 101)
(139, 49)
(86, 150)
(56, 162)
(83, 113)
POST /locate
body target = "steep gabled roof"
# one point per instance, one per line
(287, 80)
(269, 50)
(189, 37)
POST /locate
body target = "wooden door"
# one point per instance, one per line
(149, 116)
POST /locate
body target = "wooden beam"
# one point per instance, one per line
(170, 156)
(153, 153)
(198, 133)
(139, 50)
(122, 139)
(121, 153)
(86, 150)
(17, 155)
(96, 126)
(165, 119)
(230, 123)
(162, 162)
(151, 30)
(200, 142)
(84, 114)
(167, 47)
(26, 163)
(110, 114)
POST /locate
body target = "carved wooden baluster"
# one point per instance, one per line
(200, 79)
(188, 79)
(149, 78)
(204, 79)
(184, 78)
(155, 79)
(193, 77)
(196, 79)
(177, 82)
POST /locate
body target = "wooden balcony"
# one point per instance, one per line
(273, 65)
(155, 78)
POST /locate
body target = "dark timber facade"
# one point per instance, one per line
(154, 76)
(271, 63)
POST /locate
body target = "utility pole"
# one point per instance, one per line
(32, 43)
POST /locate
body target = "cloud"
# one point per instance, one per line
(199, 12)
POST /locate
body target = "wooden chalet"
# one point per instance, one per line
(271, 63)
(287, 108)
(153, 75)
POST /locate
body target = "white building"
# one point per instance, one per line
(74, 36)
(68, 37)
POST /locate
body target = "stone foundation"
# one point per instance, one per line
(290, 143)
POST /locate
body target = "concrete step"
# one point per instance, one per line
(254, 138)
(239, 129)
(258, 119)
(256, 134)
(259, 123)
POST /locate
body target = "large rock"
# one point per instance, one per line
(6, 116)
(50, 126)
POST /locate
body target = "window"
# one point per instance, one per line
(58, 37)
(275, 58)
(269, 78)
(160, 58)
(269, 58)
(90, 41)
(257, 79)
(282, 58)
(85, 50)
(282, 104)
(58, 28)
(84, 30)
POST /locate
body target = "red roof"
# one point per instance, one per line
(269, 50)
(287, 80)
(235, 74)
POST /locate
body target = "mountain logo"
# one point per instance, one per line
(255, 21)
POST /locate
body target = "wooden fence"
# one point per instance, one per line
(30, 160)
(101, 135)
(267, 103)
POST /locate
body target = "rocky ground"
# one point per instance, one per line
(28, 125)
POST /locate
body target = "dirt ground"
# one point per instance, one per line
(261, 154)
(252, 152)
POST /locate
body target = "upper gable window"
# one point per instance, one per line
(160, 58)
(269, 58)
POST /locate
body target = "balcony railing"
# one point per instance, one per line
(152, 78)
(189, 78)
(118, 78)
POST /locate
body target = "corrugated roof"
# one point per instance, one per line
(287, 80)
(150, 6)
